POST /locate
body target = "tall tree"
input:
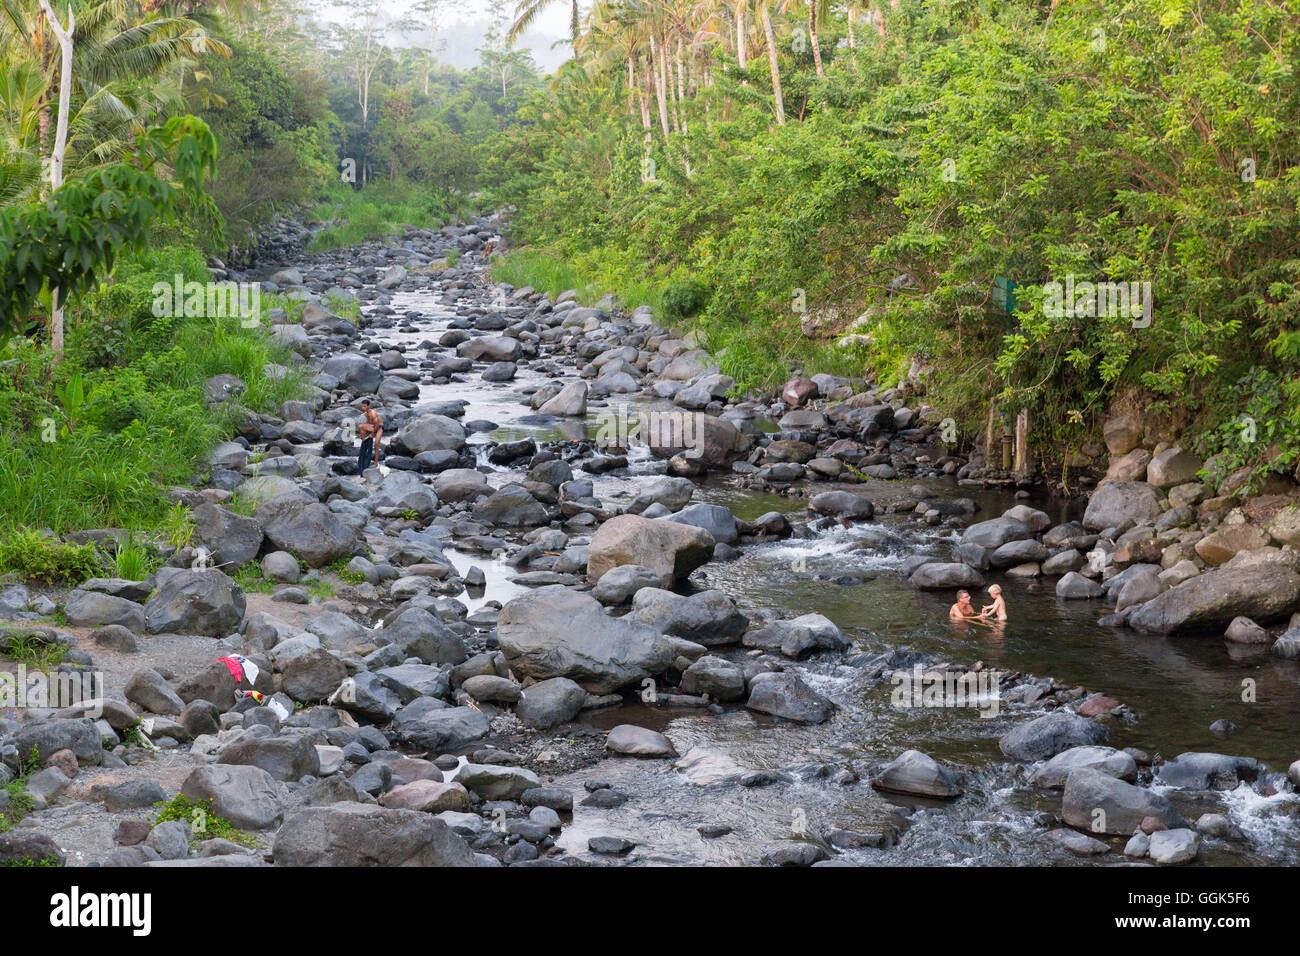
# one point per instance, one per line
(63, 33)
(770, 37)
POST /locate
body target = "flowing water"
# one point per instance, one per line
(1178, 687)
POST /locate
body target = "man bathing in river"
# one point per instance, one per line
(372, 431)
(998, 609)
(963, 610)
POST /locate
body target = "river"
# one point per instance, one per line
(1177, 687)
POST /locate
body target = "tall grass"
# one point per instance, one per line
(591, 279)
(95, 440)
(386, 209)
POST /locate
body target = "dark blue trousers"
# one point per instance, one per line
(367, 455)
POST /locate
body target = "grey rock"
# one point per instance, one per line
(1100, 803)
(786, 695)
(247, 796)
(349, 834)
(555, 632)
(1049, 735)
(550, 702)
(918, 774)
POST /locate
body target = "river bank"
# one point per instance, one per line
(536, 637)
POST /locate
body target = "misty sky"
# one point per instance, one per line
(463, 23)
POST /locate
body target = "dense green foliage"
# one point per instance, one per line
(122, 417)
(69, 241)
(275, 127)
(969, 150)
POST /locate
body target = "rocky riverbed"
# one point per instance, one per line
(591, 610)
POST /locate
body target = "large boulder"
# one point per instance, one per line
(489, 348)
(1074, 586)
(427, 796)
(716, 440)
(417, 633)
(511, 506)
(354, 372)
(494, 782)
(1130, 467)
(247, 796)
(1099, 803)
(715, 676)
(918, 774)
(28, 846)
(1223, 544)
(554, 632)
(431, 433)
(671, 550)
(92, 609)
(784, 694)
(1050, 734)
(440, 729)
(461, 484)
(354, 834)
(938, 576)
(410, 681)
(313, 676)
(842, 503)
(1207, 771)
(617, 585)
(48, 737)
(1285, 527)
(799, 637)
(270, 494)
(366, 695)
(1210, 601)
(1122, 434)
(284, 758)
(569, 402)
(633, 741)
(195, 602)
(401, 492)
(1174, 846)
(707, 617)
(996, 532)
(1107, 760)
(150, 690)
(1173, 466)
(313, 533)
(1112, 505)
(550, 702)
(715, 519)
(232, 539)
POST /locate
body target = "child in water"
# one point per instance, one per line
(998, 609)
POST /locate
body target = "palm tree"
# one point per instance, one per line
(771, 62)
(816, 9)
(97, 91)
(123, 68)
(528, 10)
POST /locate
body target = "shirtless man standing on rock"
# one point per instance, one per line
(372, 431)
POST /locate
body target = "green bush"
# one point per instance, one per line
(684, 298)
(204, 823)
(34, 555)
